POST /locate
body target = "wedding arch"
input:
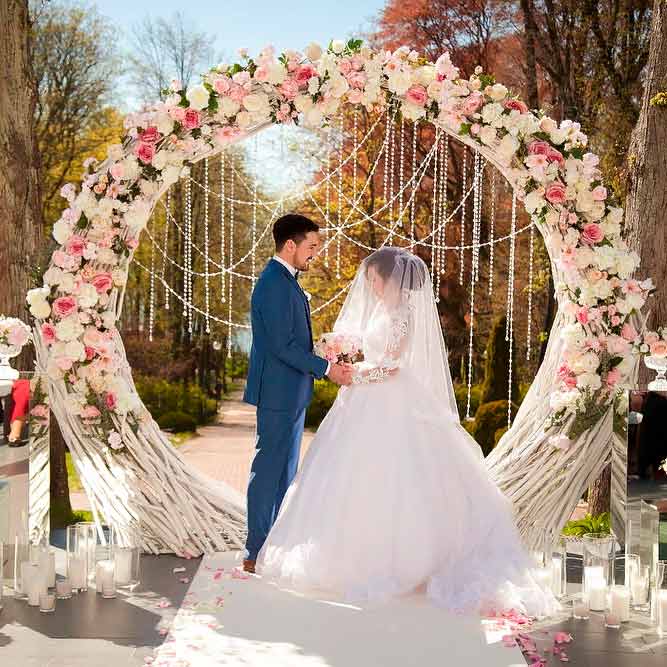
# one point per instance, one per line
(570, 420)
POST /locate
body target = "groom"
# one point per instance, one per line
(281, 372)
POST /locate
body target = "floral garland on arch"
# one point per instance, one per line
(558, 181)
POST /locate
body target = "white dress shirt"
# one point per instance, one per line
(293, 271)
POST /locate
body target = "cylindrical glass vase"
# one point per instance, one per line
(78, 550)
(599, 551)
(127, 560)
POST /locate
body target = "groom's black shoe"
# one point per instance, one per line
(249, 566)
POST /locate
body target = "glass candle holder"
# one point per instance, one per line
(78, 547)
(581, 608)
(109, 588)
(104, 568)
(47, 564)
(127, 560)
(619, 602)
(47, 603)
(63, 589)
(599, 549)
(659, 598)
(87, 536)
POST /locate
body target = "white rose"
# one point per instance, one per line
(496, 92)
(313, 51)
(277, 74)
(67, 281)
(256, 102)
(37, 295)
(583, 257)
(75, 350)
(107, 256)
(615, 215)
(425, 75)
(589, 381)
(534, 200)
(313, 117)
(130, 168)
(585, 363)
(507, 147)
(487, 135)
(605, 257)
(108, 319)
(69, 328)
(302, 103)
(53, 276)
(626, 263)
(160, 160)
(434, 90)
(171, 174)
(584, 201)
(87, 296)
(491, 112)
(164, 124)
(62, 230)
(86, 201)
(229, 107)
(105, 207)
(412, 111)
(313, 85)
(40, 310)
(137, 215)
(558, 136)
(244, 120)
(115, 152)
(337, 46)
(338, 86)
(198, 97)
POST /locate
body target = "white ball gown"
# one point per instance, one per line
(393, 494)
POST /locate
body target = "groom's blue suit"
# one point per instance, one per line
(280, 383)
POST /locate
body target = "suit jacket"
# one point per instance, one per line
(282, 364)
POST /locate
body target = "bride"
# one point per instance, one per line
(393, 495)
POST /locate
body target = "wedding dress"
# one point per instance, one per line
(393, 494)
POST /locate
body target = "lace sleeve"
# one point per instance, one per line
(397, 341)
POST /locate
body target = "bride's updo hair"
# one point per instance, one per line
(398, 267)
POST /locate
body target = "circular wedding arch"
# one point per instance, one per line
(566, 428)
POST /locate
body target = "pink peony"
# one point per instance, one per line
(289, 88)
(592, 233)
(102, 282)
(90, 413)
(192, 119)
(555, 156)
(48, 333)
(659, 348)
(144, 152)
(358, 80)
(556, 193)
(64, 306)
(262, 73)
(345, 66)
(599, 193)
(515, 105)
(222, 85)
(110, 400)
(417, 95)
(75, 245)
(150, 135)
(90, 353)
(629, 332)
(472, 104)
(177, 113)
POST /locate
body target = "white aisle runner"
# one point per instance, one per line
(233, 621)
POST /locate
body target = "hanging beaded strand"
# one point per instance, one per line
(492, 224)
(339, 227)
(151, 296)
(223, 288)
(510, 309)
(165, 251)
(434, 215)
(401, 173)
(254, 216)
(230, 282)
(188, 277)
(327, 209)
(463, 214)
(444, 205)
(415, 130)
(529, 333)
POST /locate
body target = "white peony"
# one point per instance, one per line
(496, 92)
(137, 216)
(585, 363)
(75, 350)
(256, 102)
(198, 96)
(69, 328)
(244, 120)
(589, 381)
(487, 135)
(62, 230)
(534, 200)
(87, 296)
(277, 74)
(399, 82)
(491, 112)
(313, 51)
(53, 276)
(229, 107)
(412, 111)
(164, 123)
(337, 46)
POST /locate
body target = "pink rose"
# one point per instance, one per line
(555, 193)
(629, 332)
(75, 245)
(237, 93)
(515, 105)
(304, 73)
(241, 78)
(599, 193)
(417, 95)
(357, 62)
(177, 113)
(659, 348)
(18, 335)
(117, 170)
(40, 411)
(555, 156)
(110, 400)
(615, 321)
(48, 333)
(582, 315)
(570, 381)
(472, 104)
(90, 413)
(192, 119)
(262, 73)
(144, 152)
(538, 148)
(345, 66)
(563, 371)
(592, 233)
(226, 134)
(651, 337)
(102, 282)
(358, 80)
(613, 376)
(289, 88)
(150, 135)
(64, 306)
(90, 353)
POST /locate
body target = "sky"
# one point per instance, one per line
(254, 24)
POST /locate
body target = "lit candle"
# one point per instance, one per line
(620, 603)
(63, 589)
(104, 572)
(47, 563)
(593, 574)
(557, 576)
(662, 611)
(123, 560)
(597, 596)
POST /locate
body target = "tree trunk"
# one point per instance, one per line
(646, 205)
(61, 507)
(20, 207)
(599, 493)
(529, 39)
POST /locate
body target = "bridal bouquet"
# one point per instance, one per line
(339, 348)
(14, 334)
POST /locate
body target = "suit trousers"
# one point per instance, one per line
(277, 448)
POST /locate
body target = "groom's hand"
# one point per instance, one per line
(341, 374)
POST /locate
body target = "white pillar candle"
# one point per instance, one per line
(557, 576)
(620, 603)
(123, 560)
(104, 574)
(597, 596)
(47, 563)
(77, 572)
(662, 611)
(593, 575)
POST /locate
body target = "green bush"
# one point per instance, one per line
(496, 369)
(323, 397)
(489, 418)
(162, 397)
(461, 394)
(589, 524)
(499, 434)
(178, 422)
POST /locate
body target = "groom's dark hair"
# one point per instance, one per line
(292, 226)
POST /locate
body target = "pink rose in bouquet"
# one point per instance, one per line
(339, 348)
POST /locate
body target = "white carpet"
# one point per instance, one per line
(232, 621)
